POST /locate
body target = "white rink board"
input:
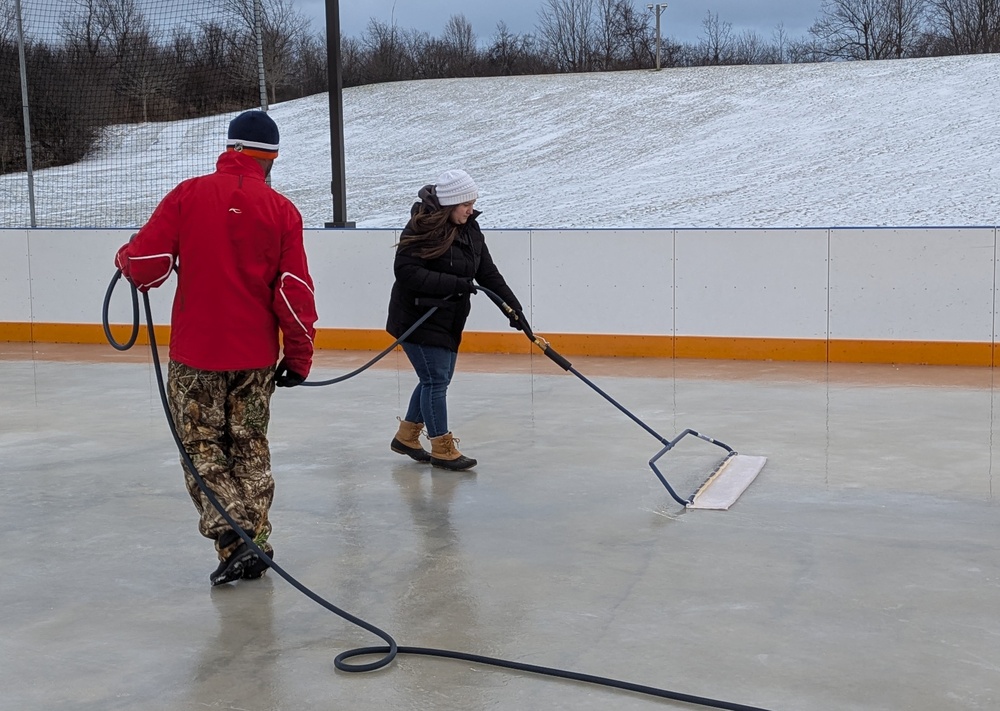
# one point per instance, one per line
(15, 299)
(511, 252)
(602, 281)
(921, 284)
(752, 283)
(70, 273)
(912, 284)
(352, 273)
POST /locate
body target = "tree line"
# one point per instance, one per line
(110, 63)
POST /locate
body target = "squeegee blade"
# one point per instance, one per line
(728, 483)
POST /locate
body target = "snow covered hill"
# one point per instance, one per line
(907, 143)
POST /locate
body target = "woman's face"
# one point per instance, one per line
(460, 214)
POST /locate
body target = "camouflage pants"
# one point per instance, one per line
(222, 418)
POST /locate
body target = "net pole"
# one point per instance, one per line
(335, 82)
(258, 26)
(26, 112)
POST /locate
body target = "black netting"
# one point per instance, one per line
(109, 84)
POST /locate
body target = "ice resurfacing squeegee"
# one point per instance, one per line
(727, 481)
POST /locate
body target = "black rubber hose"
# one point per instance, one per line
(392, 649)
(376, 359)
(135, 314)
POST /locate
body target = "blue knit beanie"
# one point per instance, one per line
(253, 133)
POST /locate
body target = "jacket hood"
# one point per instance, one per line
(428, 195)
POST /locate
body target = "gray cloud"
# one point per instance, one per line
(682, 19)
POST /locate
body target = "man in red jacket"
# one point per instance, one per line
(242, 277)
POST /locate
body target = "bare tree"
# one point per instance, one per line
(503, 50)
(868, 29)
(353, 59)
(904, 24)
(212, 58)
(12, 154)
(512, 54)
(459, 45)
(282, 27)
(141, 73)
(778, 51)
(566, 28)
(383, 43)
(636, 36)
(433, 59)
(749, 48)
(459, 36)
(86, 28)
(310, 65)
(847, 28)
(717, 40)
(147, 73)
(968, 26)
(8, 22)
(606, 35)
(622, 38)
(804, 51)
(91, 64)
(125, 22)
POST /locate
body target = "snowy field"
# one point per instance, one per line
(902, 143)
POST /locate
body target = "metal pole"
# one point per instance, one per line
(659, 8)
(334, 78)
(26, 113)
(258, 27)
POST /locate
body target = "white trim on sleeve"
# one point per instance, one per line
(159, 280)
(281, 290)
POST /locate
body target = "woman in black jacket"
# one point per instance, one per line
(441, 252)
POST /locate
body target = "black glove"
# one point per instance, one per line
(466, 286)
(284, 377)
(516, 320)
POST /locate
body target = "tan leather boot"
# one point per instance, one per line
(407, 441)
(445, 454)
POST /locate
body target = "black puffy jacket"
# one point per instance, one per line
(434, 279)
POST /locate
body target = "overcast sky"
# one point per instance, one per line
(681, 19)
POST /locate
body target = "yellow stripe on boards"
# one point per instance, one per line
(722, 348)
(580, 344)
(75, 333)
(15, 332)
(913, 352)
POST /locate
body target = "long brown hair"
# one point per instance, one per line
(431, 232)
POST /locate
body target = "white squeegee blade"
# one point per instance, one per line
(725, 486)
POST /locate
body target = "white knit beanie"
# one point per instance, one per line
(455, 187)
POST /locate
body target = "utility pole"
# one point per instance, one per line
(658, 8)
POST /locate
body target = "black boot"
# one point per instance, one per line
(445, 454)
(407, 441)
(259, 567)
(236, 562)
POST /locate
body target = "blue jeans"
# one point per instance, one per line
(428, 403)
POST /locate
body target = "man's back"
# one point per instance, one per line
(242, 268)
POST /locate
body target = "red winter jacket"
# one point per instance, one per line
(241, 265)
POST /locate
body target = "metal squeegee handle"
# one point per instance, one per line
(559, 360)
(563, 363)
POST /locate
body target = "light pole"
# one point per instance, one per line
(658, 8)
